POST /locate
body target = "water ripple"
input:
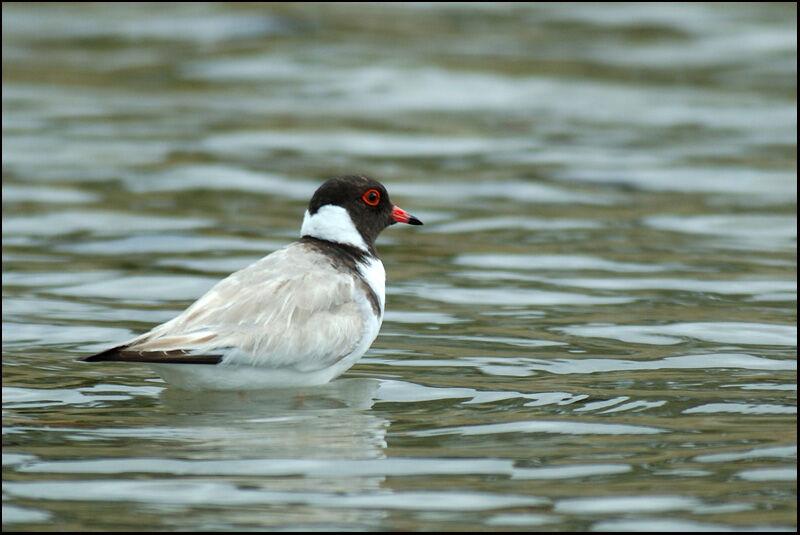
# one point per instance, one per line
(723, 332)
(558, 427)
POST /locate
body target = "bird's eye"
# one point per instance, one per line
(371, 197)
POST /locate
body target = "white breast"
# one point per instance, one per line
(373, 272)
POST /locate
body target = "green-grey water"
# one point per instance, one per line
(596, 328)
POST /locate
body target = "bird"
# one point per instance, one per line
(300, 316)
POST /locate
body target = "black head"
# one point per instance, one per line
(366, 201)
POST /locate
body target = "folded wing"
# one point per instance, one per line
(289, 309)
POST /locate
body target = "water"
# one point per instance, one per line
(596, 328)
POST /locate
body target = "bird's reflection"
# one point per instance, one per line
(330, 420)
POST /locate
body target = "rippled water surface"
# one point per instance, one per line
(596, 328)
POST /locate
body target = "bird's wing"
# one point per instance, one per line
(292, 309)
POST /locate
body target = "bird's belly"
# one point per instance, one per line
(220, 377)
(239, 374)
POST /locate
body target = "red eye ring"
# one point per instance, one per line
(372, 197)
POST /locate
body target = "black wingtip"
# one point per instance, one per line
(177, 356)
(108, 354)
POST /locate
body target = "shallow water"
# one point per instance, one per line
(596, 328)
